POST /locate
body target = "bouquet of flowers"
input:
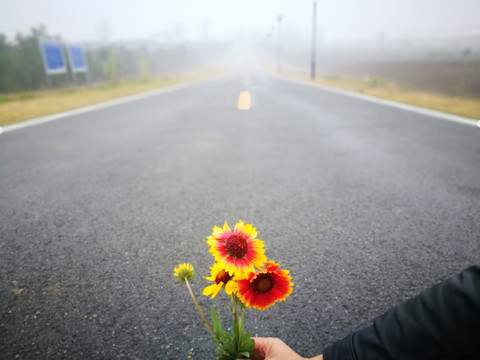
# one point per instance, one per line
(241, 269)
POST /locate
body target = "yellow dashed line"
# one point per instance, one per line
(244, 101)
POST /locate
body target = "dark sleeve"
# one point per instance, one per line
(442, 323)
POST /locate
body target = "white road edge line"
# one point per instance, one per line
(416, 109)
(102, 105)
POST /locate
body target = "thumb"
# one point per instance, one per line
(263, 347)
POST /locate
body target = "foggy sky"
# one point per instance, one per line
(173, 20)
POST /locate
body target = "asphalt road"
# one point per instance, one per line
(365, 204)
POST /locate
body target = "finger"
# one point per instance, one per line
(263, 346)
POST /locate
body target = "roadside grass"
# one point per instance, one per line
(377, 87)
(18, 107)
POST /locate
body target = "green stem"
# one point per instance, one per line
(236, 308)
(242, 319)
(207, 324)
(237, 323)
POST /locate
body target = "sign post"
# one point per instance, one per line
(77, 60)
(53, 58)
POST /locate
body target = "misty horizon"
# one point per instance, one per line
(188, 20)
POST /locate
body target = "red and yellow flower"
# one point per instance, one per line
(261, 289)
(222, 279)
(237, 252)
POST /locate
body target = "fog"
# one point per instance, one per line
(397, 40)
(194, 20)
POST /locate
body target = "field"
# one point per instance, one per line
(379, 88)
(451, 87)
(451, 78)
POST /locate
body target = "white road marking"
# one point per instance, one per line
(103, 105)
(416, 109)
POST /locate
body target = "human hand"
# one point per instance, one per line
(275, 349)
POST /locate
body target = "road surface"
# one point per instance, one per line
(364, 203)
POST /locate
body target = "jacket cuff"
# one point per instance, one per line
(341, 350)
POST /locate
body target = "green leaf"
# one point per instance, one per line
(246, 336)
(240, 320)
(235, 330)
(246, 342)
(226, 336)
(217, 325)
(246, 354)
(227, 343)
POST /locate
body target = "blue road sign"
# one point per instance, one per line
(78, 62)
(52, 53)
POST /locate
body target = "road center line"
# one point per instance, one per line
(244, 101)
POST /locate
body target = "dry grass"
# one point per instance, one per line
(22, 106)
(379, 88)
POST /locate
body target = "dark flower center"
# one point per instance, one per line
(263, 283)
(222, 276)
(236, 246)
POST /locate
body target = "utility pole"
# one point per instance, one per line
(314, 41)
(269, 49)
(279, 49)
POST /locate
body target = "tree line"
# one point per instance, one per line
(22, 69)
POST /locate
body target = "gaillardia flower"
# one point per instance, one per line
(222, 279)
(237, 252)
(260, 290)
(184, 272)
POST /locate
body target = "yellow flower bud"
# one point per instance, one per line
(184, 272)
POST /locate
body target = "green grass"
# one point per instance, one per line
(26, 96)
(4, 99)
